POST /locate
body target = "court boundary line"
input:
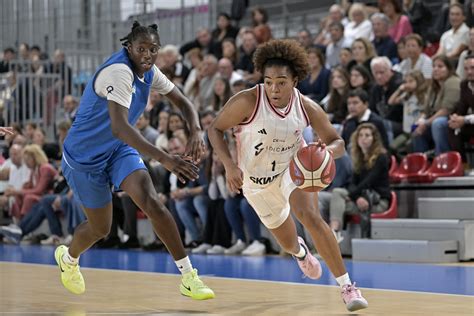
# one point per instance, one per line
(249, 280)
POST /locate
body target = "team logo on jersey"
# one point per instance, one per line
(109, 89)
(258, 150)
(262, 131)
(263, 180)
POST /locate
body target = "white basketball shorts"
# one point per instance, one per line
(272, 203)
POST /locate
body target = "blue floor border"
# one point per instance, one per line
(376, 275)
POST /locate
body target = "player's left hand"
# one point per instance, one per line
(195, 147)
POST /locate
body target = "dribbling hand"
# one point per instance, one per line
(182, 167)
(321, 144)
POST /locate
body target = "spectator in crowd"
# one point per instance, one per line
(59, 66)
(443, 96)
(29, 131)
(359, 26)
(383, 42)
(345, 57)
(338, 43)
(261, 29)
(417, 60)
(217, 233)
(316, 85)
(369, 190)
(238, 86)
(15, 173)
(40, 183)
(456, 39)
(143, 125)
(172, 62)
(399, 23)
(175, 122)
(194, 58)
(223, 30)
(51, 149)
(386, 82)
(202, 41)
(359, 112)
(465, 53)
(305, 38)
(360, 77)
(8, 56)
(230, 51)
(226, 70)
(249, 45)
(362, 53)
(222, 93)
(419, 15)
(461, 124)
(162, 128)
(201, 87)
(412, 93)
(63, 128)
(337, 103)
(70, 104)
(336, 14)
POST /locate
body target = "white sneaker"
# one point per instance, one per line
(202, 248)
(338, 236)
(67, 241)
(215, 250)
(236, 248)
(52, 240)
(254, 249)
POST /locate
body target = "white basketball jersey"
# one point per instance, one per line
(269, 139)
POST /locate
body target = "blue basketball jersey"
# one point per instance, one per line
(90, 143)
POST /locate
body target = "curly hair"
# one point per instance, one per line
(377, 148)
(288, 53)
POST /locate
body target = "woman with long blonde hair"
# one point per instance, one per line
(369, 190)
(41, 181)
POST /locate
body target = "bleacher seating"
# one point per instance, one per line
(447, 164)
(412, 166)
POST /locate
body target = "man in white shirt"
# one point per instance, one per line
(456, 39)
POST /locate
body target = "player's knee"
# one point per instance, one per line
(152, 206)
(101, 231)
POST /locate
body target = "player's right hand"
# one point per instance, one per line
(182, 168)
(235, 179)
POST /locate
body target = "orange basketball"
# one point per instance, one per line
(312, 168)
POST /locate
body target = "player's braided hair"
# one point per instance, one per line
(138, 30)
(282, 53)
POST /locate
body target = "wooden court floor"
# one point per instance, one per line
(31, 289)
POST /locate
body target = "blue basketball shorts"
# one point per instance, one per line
(92, 187)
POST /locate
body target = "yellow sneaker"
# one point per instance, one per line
(71, 277)
(192, 286)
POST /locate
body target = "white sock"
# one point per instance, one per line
(68, 259)
(344, 279)
(302, 253)
(184, 265)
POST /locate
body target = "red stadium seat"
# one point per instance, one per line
(447, 164)
(391, 212)
(412, 166)
(393, 168)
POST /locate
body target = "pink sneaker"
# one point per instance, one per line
(309, 265)
(353, 298)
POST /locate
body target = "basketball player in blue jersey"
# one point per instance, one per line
(101, 150)
(268, 121)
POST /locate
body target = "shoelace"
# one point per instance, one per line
(350, 289)
(197, 282)
(75, 275)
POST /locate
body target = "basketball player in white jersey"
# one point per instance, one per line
(268, 121)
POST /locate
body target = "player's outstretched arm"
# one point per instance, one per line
(237, 110)
(195, 145)
(122, 130)
(323, 127)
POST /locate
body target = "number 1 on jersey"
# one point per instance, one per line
(273, 165)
